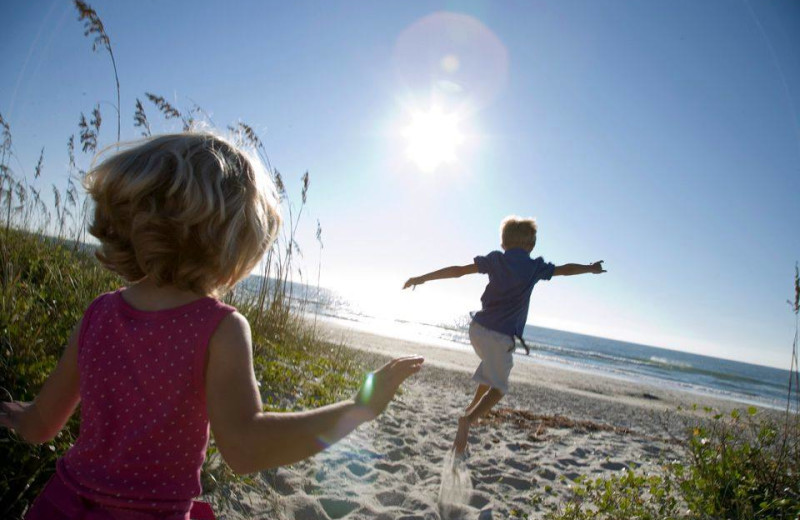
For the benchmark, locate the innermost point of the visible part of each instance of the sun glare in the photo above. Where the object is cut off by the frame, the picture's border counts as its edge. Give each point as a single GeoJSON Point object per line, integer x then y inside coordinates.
{"type": "Point", "coordinates": [433, 138]}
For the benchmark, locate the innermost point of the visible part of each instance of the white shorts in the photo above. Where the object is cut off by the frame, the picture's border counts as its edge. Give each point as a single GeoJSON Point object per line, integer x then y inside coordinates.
{"type": "Point", "coordinates": [495, 350]}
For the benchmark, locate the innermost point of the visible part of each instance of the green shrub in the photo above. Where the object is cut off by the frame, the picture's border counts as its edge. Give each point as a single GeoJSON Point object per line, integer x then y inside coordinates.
{"type": "Point", "coordinates": [743, 467]}
{"type": "Point", "coordinates": [46, 285]}
{"type": "Point", "coordinates": [737, 467]}
{"type": "Point", "coordinates": [628, 495]}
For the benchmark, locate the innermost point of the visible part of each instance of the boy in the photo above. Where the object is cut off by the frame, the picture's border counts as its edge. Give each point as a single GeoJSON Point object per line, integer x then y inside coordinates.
{"type": "Point", "coordinates": [512, 275]}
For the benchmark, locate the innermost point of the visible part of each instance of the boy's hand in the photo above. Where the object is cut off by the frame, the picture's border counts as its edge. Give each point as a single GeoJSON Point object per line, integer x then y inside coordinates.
{"type": "Point", "coordinates": [597, 267]}
{"type": "Point", "coordinates": [381, 385]}
{"type": "Point", "coordinates": [10, 413]}
{"type": "Point", "coordinates": [413, 282]}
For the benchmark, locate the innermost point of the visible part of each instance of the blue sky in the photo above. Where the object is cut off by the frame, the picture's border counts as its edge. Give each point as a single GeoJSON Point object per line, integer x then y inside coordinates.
{"type": "Point", "coordinates": [660, 137]}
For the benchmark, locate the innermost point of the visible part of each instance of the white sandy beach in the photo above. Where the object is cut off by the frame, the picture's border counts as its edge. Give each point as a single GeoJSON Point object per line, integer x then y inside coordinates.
{"type": "Point", "coordinates": [553, 426]}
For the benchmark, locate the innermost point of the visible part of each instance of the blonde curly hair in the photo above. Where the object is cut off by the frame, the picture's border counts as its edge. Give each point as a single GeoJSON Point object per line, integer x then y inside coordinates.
{"type": "Point", "coordinates": [189, 210]}
{"type": "Point", "coordinates": [518, 232]}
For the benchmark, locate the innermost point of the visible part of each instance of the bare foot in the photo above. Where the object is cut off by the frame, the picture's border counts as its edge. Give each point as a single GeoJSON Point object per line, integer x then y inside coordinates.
{"type": "Point", "coordinates": [460, 444]}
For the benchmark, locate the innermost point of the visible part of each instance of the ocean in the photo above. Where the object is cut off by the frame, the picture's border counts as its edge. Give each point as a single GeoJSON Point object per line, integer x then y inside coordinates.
{"type": "Point", "coordinates": [661, 367]}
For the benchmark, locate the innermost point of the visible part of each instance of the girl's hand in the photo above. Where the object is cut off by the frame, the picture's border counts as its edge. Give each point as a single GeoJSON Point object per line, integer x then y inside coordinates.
{"type": "Point", "coordinates": [413, 282]}
{"type": "Point", "coordinates": [10, 413]}
{"type": "Point", "coordinates": [381, 385]}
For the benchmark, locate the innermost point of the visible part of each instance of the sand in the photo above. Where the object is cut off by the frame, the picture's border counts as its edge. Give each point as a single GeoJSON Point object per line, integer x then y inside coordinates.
{"type": "Point", "coordinates": [553, 426]}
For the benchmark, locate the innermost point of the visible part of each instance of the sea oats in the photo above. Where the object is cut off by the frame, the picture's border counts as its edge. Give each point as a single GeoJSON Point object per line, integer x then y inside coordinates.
{"type": "Point", "coordinates": [93, 27]}
{"type": "Point", "coordinates": [140, 119]}
{"type": "Point", "coordinates": [169, 111]}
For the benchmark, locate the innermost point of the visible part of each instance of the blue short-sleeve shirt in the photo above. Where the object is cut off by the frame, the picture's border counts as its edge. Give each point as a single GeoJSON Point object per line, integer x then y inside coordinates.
{"type": "Point", "coordinates": [505, 301]}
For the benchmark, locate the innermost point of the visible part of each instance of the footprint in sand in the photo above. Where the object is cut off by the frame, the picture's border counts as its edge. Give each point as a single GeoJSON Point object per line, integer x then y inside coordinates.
{"type": "Point", "coordinates": [570, 462]}
{"type": "Point", "coordinates": [404, 470]}
{"type": "Point", "coordinates": [579, 453]}
{"type": "Point", "coordinates": [318, 476]}
{"type": "Point", "coordinates": [518, 465]}
{"type": "Point", "coordinates": [358, 469]}
{"type": "Point", "coordinates": [390, 498]}
{"type": "Point", "coordinates": [479, 499]}
{"type": "Point", "coordinates": [547, 474]}
{"type": "Point", "coordinates": [398, 454]}
{"type": "Point", "coordinates": [309, 488]}
{"type": "Point", "coordinates": [652, 450]}
{"type": "Point", "coordinates": [517, 483]}
{"type": "Point", "coordinates": [285, 482]}
{"type": "Point", "coordinates": [490, 474]}
{"type": "Point", "coordinates": [422, 472]}
{"type": "Point", "coordinates": [337, 508]}
{"type": "Point", "coordinates": [396, 441]}
{"type": "Point", "coordinates": [303, 506]}
{"type": "Point", "coordinates": [519, 446]}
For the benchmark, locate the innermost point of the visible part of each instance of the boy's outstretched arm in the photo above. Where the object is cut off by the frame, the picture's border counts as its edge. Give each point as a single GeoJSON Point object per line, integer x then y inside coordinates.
{"type": "Point", "coordinates": [572, 269]}
{"type": "Point", "coordinates": [250, 439]}
{"type": "Point", "coordinates": [454, 271]}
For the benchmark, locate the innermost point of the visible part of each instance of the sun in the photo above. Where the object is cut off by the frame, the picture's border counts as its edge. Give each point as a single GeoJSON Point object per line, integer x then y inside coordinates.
{"type": "Point", "coordinates": [433, 138]}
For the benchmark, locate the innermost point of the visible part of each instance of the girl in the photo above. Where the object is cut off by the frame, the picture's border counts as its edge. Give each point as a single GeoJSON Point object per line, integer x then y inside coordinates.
{"type": "Point", "coordinates": [181, 217]}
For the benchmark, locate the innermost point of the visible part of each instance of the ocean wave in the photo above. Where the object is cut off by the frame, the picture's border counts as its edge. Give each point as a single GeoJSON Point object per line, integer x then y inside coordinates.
{"type": "Point", "coordinates": [670, 362]}
{"type": "Point", "coordinates": [590, 354]}
{"type": "Point", "coordinates": [660, 363]}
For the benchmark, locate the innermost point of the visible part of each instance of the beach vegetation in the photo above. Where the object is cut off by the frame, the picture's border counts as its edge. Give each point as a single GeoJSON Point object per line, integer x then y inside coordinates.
{"type": "Point", "coordinates": [735, 466]}
{"type": "Point", "coordinates": [741, 465]}
{"type": "Point", "coordinates": [628, 494]}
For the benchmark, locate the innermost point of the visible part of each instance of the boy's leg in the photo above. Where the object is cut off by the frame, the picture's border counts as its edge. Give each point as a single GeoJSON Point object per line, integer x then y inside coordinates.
{"type": "Point", "coordinates": [491, 375]}
{"type": "Point", "coordinates": [481, 408]}
{"type": "Point", "coordinates": [482, 389]}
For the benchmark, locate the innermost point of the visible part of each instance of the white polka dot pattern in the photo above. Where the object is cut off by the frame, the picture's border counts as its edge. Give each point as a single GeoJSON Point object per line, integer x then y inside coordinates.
{"type": "Point", "coordinates": [144, 429]}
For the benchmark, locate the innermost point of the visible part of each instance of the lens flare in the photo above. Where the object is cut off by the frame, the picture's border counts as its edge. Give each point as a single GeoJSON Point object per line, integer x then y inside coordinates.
{"type": "Point", "coordinates": [348, 423]}
{"type": "Point", "coordinates": [453, 55]}
{"type": "Point", "coordinates": [450, 63]}
{"type": "Point", "coordinates": [367, 388]}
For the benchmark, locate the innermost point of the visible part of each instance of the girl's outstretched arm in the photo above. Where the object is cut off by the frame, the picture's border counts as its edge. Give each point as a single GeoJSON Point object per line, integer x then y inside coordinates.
{"type": "Point", "coordinates": [41, 420]}
{"type": "Point", "coordinates": [252, 440]}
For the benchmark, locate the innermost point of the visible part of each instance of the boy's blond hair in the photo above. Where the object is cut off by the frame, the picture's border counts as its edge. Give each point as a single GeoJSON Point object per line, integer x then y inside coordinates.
{"type": "Point", "coordinates": [189, 210]}
{"type": "Point", "coordinates": [518, 232]}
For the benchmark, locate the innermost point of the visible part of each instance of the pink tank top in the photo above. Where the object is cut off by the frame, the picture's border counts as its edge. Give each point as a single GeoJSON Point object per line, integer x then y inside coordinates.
{"type": "Point", "coordinates": [144, 428]}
